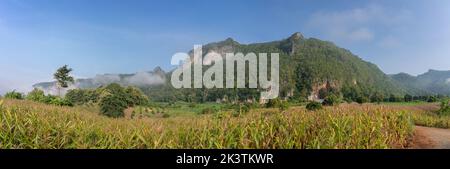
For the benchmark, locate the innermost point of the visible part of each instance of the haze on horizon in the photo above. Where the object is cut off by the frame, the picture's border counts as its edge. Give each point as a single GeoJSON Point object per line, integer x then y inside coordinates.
{"type": "Point", "coordinates": [111, 36]}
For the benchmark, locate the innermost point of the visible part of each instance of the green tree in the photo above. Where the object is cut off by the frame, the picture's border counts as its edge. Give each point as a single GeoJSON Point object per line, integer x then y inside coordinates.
{"type": "Point", "coordinates": [112, 105]}
{"type": "Point", "coordinates": [377, 98]}
{"type": "Point", "coordinates": [362, 99]}
{"type": "Point", "coordinates": [63, 78]}
{"type": "Point", "coordinates": [408, 98]}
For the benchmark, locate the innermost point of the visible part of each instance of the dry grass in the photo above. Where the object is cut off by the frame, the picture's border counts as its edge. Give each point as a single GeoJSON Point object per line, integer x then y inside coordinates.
{"type": "Point", "coordinates": [27, 124]}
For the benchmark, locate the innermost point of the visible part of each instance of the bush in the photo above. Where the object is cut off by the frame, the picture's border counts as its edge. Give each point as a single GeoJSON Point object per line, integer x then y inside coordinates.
{"type": "Point", "coordinates": [377, 98]}
{"type": "Point", "coordinates": [394, 98]}
{"type": "Point", "coordinates": [112, 105]}
{"type": "Point", "coordinates": [113, 100]}
{"type": "Point", "coordinates": [331, 100]}
{"type": "Point", "coordinates": [36, 95]}
{"type": "Point", "coordinates": [14, 95]}
{"type": "Point", "coordinates": [408, 98]}
{"type": "Point", "coordinates": [192, 105]}
{"type": "Point", "coordinates": [432, 99]}
{"type": "Point", "coordinates": [241, 109]}
{"type": "Point", "coordinates": [165, 115]}
{"type": "Point", "coordinates": [208, 110]}
{"type": "Point", "coordinates": [134, 97]}
{"type": "Point", "coordinates": [273, 103]}
{"type": "Point", "coordinates": [48, 99]}
{"type": "Point", "coordinates": [445, 109]}
{"type": "Point", "coordinates": [82, 96]}
{"type": "Point", "coordinates": [283, 106]}
{"type": "Point", "coordinates": [313, 106]}
{"type": "Point", "coordinates": [60, 102]}
{"type": "Point", "coordinates": [278, 103]}
{"type": "Point", "coordinates": [362, 99]}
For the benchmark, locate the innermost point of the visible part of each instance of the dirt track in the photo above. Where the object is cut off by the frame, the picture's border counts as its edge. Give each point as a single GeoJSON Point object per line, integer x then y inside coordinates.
{"type": "Point", "coordinates": [431, 138]}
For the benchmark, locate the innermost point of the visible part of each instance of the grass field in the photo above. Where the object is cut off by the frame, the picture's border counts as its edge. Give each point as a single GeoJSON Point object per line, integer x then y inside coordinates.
{"type": "Point", "coordinates": [25, 124]}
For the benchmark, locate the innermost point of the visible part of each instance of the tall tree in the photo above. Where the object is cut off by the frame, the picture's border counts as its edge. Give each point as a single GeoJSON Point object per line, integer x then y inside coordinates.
{"type": "Point", "coordinates": [63, 78]}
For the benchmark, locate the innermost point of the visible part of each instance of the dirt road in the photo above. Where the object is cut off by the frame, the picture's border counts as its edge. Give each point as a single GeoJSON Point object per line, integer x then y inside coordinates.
{"type": "Point", "coordinates": [431, 138]}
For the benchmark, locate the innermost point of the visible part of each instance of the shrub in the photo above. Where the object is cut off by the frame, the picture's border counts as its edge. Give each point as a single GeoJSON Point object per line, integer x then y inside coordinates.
{"type": "Point", "coordinates": [278, 103]}
{"type": "Point", "coordinates": [241, 109]}
{"type": "Point", "coordinates": [165, 115]}
{"type": "Point", "coordinates": [408, 98]}
{"type": "Point", "coordinates": [377, 98]}
{"type": "Point", "coordinates": [14, 95]}
{"type": "Point", "coordinates": [394, 98]}
{"type": "Point", "coordinates": [48, 99]}
{"type": "Point", "coordinates": [134, 96]}
{"type": "Point", "coordinates": [208, 110]}
{"type": "Point", "coordinates": [432, 99]}
{"type": "Point", "coordinates": [60, 102]}
{"type": "Point", "coordinates": [445, 109]}
{"type": "Point", "coordinates": [273, 103]}
{"type": "Point", "coordinates": [81, 96]}
{"type": "Point", "coordinates": [313, 106]}
{"type": "Point", "coordinates": [283, 106]}
{"type": "Point", "coordinates": [36, 95]}
{"type": "Point", "coordinates": [362, 99]}
{"type": "Point", "coordinates": [112, 105]}
{"type": "Point", "coordinates": [331, 100]}
{"type": "Point", "coordinates": [192, 105]}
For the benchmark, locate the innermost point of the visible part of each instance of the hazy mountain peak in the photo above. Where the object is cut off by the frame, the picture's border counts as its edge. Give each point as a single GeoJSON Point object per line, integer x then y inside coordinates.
{"type": "Point", "coordinates": [296, 36]}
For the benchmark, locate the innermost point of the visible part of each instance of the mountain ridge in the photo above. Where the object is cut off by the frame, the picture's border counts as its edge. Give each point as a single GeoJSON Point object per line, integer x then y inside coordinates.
{"type": "Point", "coordinates": [308, 67]}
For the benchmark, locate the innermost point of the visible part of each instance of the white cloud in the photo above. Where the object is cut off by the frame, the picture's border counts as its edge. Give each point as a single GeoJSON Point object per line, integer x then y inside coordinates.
{"type": "Point", "coordinates": [357, 24]}
{"type": "Point", "coordinates": [389, 42]}
{"type": "Point", "coordinates": [362, 34]}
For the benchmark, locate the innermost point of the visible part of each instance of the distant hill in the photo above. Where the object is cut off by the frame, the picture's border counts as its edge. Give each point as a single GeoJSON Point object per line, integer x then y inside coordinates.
{"type": "Point", "coordinates": [140, 79]}
{"type": "Point", "coordinates": [431, 82]}
{"type": "Point", "coordinates": [308, 66]}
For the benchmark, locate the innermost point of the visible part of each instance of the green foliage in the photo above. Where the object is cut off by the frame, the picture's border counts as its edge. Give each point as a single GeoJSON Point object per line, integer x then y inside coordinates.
{"type": "Point", "coordinates": [134, 96]}
{"type": "Point", "coordinates": [377, 98]}
{"type": "Point", "coordinates": [36, 95]}
{"type": "Point", "coordinates": [14, 95]}
{"type": "Point", "coordinates": [208, 110]}
{"type": "Point", "coordinates": [331, 100]}
{"type": "Point", "coordinates": [273, 103]}
{"type": "Point", "coordinates": [113, 100]}
{"type": "Point", "coordinates": [277, 103]}
{"type": "Point", "coordinates": [408, 98]}
{"type": "Point", "coordinates": [82, 96]}
{"type": "Point", "coordinates": [362, 99]}
{"type": "Point", "coordinates": [241, 109]}
{"type": "Point", "coordinates": [62, 76]}
{"type": "Point", "coordinates": [312, 106]}
{"type": "Point", "coordinates": [432, 99]}
{"type": "Point", "coordinates": [192, 105]}
{"type": "Point", "coordinates": [60, 102]}
{"type": "Point", "coordinates": [445, 108]}
{"type": "Point", "coordinates": [394, 98]}
{"type": "Point", "coordinates": [112, 105]}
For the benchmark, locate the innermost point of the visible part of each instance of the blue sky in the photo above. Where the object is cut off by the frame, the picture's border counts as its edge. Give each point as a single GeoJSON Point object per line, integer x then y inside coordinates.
{"type": "Point", "coordinates": [116, 36]}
